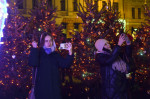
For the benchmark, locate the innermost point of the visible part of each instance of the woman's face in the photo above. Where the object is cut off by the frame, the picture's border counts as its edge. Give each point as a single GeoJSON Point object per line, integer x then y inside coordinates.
{"type": "Point", "coordinates": [48, 41]}
{"type": "Point", "coordinates": [107, 46]}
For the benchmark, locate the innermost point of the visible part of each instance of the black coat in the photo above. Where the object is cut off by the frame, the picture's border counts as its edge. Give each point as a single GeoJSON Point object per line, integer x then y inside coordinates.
{"type": "Point", "coordinates": [114, 83]}
{"type": "Point", "coordinates": [47, 84]}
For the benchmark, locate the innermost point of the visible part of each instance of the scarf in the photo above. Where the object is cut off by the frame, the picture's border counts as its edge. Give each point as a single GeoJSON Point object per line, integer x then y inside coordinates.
{"type": "Point", "coordinates": [47, 50]}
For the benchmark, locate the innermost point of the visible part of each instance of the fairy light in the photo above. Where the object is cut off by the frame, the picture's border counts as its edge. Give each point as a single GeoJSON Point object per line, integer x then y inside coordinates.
{"type": "Point", "coordinates": [3, 16]}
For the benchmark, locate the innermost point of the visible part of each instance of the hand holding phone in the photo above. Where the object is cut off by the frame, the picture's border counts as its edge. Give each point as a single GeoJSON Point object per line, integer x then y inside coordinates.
{"type": "Point", "coordinates": [121, 39]}
{"type": "Point", "coordinates": [62, 45]}
{"type": "Point", "coordinates": [128, 42]}
{"type": "Point", "coordinates": [66, 46]}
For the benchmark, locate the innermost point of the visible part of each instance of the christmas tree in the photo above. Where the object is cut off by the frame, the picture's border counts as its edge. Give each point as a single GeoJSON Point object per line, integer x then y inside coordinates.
{"type": "Point", "coordinates": [15, 74]}
{"type": "Point", "coordinates": [142, 53]}
{"type": "Point", "coordinates": [19, 32]}
{"type": "Point", "coordinates": [96, 24]}
{"type": "Point", "coordinates": [42, 19]}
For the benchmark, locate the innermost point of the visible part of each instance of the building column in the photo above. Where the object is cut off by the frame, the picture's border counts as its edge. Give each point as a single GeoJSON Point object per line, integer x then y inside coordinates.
{"type": "Point", "coordinates": [53, 3]}
{"type": "Point", "coordinates": [99, 5]}
{"type": "Point", "coordinates": [80, 27]}
{"type": "Point", "coordinates": [58, 4]}
{"type": "Point", "coordinates": [121, 8]}
{"type": "Point", "coordinates": [107, 1]}
{"type": "Point", "coordinates": [70, 28]}
{"type": "Point", "coordinates": [70, 7]}
{"type": "Point", "coordinates": [29, 4]}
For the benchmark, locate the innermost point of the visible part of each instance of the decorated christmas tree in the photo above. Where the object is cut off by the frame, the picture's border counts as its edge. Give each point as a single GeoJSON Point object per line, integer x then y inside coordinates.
{"type": "Point", "coordinates": [20, 31]}
{"type": "Point", "coordinates": [96, 24]}
{"type": "Point", "coordinates": [14, 72]}
{"type": "Point", "coordinates": [142, 53]}
{"type": "Point", "coordinates": [42, 19]}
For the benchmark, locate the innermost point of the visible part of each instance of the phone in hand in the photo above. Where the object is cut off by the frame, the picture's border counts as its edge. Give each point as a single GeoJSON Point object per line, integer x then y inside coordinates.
{"type": "Point", "coordinates": [63, 46]}
{"type": "Point", "coordinates": [128, 76]}
{"type": "Point", "coordinates": [126, 37]}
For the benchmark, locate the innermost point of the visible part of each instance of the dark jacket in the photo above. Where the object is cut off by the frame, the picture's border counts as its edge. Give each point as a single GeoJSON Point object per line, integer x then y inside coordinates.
{"type": "Point", "coordinates": [47, 84]}
{"type": "Point", "coordinates": [114, 83]}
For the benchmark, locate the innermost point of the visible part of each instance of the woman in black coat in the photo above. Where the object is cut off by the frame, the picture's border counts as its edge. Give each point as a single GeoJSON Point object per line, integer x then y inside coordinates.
{"type": "Point", "coordinates": [113, 68]}
{"type": "Point", "coordinates": [48, 61]}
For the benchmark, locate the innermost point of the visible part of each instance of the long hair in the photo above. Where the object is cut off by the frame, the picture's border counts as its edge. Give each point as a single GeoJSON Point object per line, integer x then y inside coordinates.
{"type": "Point", "coordinates": [42, 40]}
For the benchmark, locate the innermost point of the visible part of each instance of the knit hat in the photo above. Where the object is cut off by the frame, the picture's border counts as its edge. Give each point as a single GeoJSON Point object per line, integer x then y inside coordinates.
{"type": "Point", "coordinates": [99, 44]}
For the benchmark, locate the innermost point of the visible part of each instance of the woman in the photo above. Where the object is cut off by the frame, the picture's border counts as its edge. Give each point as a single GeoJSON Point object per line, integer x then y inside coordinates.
{"type": "Point", "coordinates": [113, 68]}
{"type": "Point", "coordinates": [48, 61]}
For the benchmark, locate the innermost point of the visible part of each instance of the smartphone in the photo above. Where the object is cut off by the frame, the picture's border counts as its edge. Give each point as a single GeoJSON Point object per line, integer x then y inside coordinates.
{"type": "Point", "coordinates": [128, 75]}
{"type": "Point", "coordinates": [126, 37]}
{"type": "Point", "coordinates": [63, 46]}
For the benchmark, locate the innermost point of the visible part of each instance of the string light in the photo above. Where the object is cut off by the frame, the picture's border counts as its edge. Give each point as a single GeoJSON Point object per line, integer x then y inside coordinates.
{"type": "Point", "coordinates": [3, 16]}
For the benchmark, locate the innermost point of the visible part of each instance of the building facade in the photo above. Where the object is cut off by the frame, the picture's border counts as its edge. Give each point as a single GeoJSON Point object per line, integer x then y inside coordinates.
{"type": "Point", "coordinates": [131, 11]}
